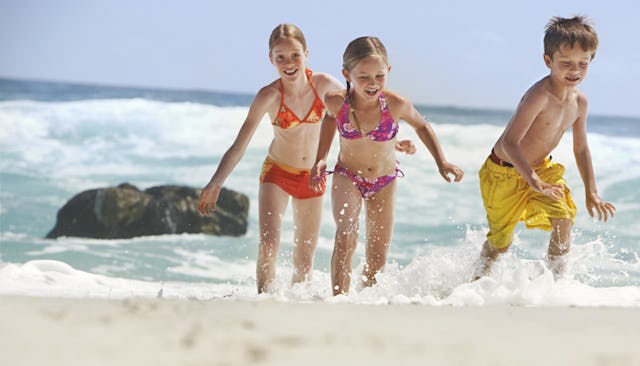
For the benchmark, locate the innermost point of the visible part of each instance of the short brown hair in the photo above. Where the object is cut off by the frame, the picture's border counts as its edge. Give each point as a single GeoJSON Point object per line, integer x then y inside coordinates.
{"type": "Point", "coordinates": [567, 31]}
{"type": "Point", "coordinates": [286, 30]}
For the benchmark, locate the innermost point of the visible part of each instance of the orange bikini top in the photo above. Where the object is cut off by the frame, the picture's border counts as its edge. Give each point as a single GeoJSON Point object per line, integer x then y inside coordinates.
{"type": "Point", "coordinates": [287, 119]}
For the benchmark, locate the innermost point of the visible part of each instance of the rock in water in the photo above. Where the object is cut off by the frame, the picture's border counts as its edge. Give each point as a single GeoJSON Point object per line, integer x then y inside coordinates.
{"type": "Point", "coordinates": [125, 212]}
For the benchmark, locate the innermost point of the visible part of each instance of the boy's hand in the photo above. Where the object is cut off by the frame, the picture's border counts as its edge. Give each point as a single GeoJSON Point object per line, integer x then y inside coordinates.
{"type": "Point", "coordinates": [604, 209]}
{"type": "Point", "coordinates": [555, 191]}
{"type": "Point", "coordinates": [406, 146]}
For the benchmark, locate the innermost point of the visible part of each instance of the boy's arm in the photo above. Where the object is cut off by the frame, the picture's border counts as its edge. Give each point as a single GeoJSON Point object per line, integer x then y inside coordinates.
{"type": "Point", "coordinates": [585, 166]}
{"type": "Point", "coordinates": [531, 105]}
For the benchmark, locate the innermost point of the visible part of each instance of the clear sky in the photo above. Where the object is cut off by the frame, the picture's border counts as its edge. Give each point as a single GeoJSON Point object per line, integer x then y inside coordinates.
{"type": "Point", "coordinates": [456, 53]}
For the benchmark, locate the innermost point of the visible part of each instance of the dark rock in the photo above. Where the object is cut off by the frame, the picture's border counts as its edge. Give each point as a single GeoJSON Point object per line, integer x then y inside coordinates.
{"type": "Point", "coordinates": [125, 212]}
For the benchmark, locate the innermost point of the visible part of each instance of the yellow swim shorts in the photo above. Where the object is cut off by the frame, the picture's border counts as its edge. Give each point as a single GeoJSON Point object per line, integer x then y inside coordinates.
{"type": "Point", "coordinates": [508, 199]}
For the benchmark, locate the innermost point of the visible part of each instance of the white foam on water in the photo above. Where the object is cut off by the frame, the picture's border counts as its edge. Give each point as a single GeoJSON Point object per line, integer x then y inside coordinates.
{"type": "Point", "coordinates": [61, 148]}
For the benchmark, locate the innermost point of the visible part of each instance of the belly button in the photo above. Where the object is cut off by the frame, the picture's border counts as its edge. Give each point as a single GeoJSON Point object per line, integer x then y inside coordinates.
{"type": "Point", "coordinates": [369, 169]}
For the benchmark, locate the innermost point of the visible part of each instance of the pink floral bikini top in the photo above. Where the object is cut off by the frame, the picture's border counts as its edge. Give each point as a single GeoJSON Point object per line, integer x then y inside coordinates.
{"type": "Point", "coordinates": [385, 130]}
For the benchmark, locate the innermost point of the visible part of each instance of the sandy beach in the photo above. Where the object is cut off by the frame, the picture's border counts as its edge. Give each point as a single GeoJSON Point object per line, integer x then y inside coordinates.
{"type": "Point", "coordinates": [64, 331]}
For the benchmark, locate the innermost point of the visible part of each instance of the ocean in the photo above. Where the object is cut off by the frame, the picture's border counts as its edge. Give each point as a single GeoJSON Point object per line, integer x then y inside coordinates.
{"type": "Point", "coordinates": [58, 139]}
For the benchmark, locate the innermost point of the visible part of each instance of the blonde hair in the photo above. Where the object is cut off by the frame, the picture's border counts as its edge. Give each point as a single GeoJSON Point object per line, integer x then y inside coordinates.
{"type": "Point", "coordinates": [361, 48]}
{"type": "Point", "coordinates": [567, 31]}
{"type": "Point", "coordinates": [284, 31]}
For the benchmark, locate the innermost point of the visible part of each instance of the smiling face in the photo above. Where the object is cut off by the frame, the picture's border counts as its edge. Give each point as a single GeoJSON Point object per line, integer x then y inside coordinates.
{"type": "Point", "coordinates": [289, 57]}
{"type": "Point", "coordinates": [368, 77]}
{"type": "Point", "coordinates": [569, 65]}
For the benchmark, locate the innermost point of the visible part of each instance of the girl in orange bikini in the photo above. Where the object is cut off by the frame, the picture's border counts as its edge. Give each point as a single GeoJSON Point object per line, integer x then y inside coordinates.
{"type": "Point", "coordinates": [366, 115]}
{"type": "Point", "coordinates": [297, 92]}
{"type": "Point", "coordinates": [285, 173]}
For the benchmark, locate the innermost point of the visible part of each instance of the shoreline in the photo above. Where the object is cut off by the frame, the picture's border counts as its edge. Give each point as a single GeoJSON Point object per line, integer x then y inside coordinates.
{"type": "Point", "coordinates": [142, 331]}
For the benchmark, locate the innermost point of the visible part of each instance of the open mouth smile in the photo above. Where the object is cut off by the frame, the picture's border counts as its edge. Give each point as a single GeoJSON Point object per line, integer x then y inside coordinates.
{"type": "Point", "coordinates": [371, 92]}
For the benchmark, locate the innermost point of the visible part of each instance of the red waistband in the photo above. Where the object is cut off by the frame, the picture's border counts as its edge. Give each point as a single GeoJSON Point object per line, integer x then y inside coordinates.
{"type": "Point", "coordinates": [499, 161]}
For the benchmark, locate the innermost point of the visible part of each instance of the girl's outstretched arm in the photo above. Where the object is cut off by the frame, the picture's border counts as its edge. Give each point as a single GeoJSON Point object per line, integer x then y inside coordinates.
{"type": "Point", "coordinates": [428, 137]}
{"type": "Point", "coordinates": [210, 193]}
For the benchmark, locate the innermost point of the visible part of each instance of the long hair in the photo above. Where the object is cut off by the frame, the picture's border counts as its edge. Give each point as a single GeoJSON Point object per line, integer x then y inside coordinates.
{"type": "Point", "coordinates": [359, 49]}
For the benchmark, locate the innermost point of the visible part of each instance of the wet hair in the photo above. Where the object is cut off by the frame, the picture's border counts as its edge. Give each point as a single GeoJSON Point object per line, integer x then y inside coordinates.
{"type": "Point", "coordinates": [286, 30]}
{"type": "Point", "coordinates": [361, 48]}
{"type": "Point", "coordinates": [567, 31]}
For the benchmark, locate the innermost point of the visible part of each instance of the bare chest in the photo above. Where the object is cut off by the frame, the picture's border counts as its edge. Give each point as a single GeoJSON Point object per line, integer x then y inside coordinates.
{"type": "Point", "coordinates": [554, 122]}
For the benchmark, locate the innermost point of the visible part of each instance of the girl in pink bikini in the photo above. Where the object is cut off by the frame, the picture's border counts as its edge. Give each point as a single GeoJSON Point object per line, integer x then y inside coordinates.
{"type": "Point", "coordinates": [366, 115]}
{"type": "Point", "coordinates": [294, 104]}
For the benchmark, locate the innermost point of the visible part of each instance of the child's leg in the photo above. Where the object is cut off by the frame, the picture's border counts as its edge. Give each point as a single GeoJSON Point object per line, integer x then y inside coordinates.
{"type": "Point", "coordinates": [559, 216]}
{"type": "Point", "coordinates": [559, 245]}
{"type": "Point", "coordinates": [504, 195]}
{"type": "Point", "coordinates": [346, 202]}
{"type": "Point", "coordinates": [488, 256]}
{"type": "Point", "coordinates": [272, 204]}
{"type": "Point", "coordinates": [380, 210]}
{"type": "Point", "coordinates": [306, 219]}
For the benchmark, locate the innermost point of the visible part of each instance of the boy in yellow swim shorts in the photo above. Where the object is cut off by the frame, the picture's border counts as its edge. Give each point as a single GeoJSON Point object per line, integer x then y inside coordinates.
{"type": "Point", "coordinates": [519, 181]}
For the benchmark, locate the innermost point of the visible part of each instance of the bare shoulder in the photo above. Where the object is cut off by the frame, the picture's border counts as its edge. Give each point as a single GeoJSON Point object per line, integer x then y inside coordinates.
{"type": "Point", "coordinates": [323, 77]}
{"type": "Point", "coordinates": [398, 104]}
{"type": "Point", "coordinates": [583, 103]}
{"type": "Point", "coordinates": [538, 91]}
{"type": "Point", "coordinates": [268, 95]}
{"type": "Point", "coordinates": [536, 98]}
{"type": "Point", "coordinates": [325, 82]}
{"type": "Point", "coordinates": [334, 99]}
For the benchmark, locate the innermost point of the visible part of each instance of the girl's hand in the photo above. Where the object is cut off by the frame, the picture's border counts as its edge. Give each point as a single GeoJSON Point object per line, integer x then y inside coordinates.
{"type": "Point", "coordinates": [453, 170]}
{"type": "Point", "coordinates": [208, 199]}
{"type": "Point", "coordinates": [406, 146]}
{"type": "Point", "coordinates": [318, 176]}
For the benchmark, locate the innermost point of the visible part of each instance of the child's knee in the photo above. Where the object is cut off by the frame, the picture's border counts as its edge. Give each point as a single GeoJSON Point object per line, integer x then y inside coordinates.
{"type": "Point", "coordinates": [492, 252]}
{"type": "Point", "coordinates": [561, 224]}
{"type": "Point", "coordinates": [347, 228]}
{"type": "Point", "coordinates": [499, 243]}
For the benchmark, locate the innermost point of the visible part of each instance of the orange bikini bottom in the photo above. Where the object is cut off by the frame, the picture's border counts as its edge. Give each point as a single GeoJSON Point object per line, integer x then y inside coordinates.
{"type": "Point", "coordinates": [292, 180]}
